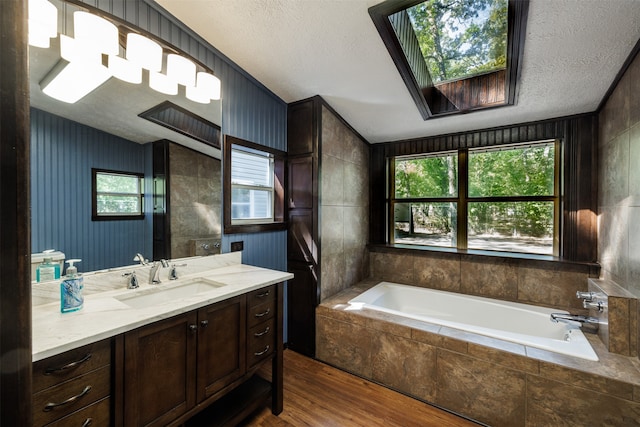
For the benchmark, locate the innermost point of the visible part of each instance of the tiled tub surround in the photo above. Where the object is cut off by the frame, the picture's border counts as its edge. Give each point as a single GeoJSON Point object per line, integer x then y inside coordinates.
{"type": "Point", "coordinates": [619, 319]}
{"type": "Point", "coordinates": [486, 379]}
{"type": "Point", "coordinates": [105, 315]}
{"type": "Point", "coordinates": [529, 281]}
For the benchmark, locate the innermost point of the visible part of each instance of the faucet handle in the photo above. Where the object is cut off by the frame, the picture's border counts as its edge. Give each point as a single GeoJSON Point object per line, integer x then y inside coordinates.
{"type": "Point", "coordinates": [132, 280]}
{"type": "Point", "coordinates": [596, 305]}
{"type": "Point", "coordinates": [173, 273]}
{"type": "Point", "coordinates": [587, 296]}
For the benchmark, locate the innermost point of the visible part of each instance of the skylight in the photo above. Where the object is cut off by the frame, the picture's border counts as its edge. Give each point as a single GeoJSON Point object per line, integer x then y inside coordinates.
{"type": "Point", "coordinates": [461, 39]}
{"type": "Point", "coordinates": [455, 56]}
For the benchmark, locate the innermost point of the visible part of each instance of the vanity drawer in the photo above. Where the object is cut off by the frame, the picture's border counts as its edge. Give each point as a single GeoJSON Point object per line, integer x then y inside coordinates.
{"type": "Point", "coordinates": [62, 367]}
{"type": "Point", "coordinates": [262, 295]}
{"type": "Point", "coordinates": [260, 342]}
{"type": "Point", "coordinates": [69, 396]}
{"type": "Point", "coordinates": [260, 313]}
{"type": "Point", "coordinates": [95, 415]}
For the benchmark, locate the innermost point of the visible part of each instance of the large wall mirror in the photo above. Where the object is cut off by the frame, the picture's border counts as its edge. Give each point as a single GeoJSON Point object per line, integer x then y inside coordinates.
{"type": "Point", "coordinates": [176, 149]}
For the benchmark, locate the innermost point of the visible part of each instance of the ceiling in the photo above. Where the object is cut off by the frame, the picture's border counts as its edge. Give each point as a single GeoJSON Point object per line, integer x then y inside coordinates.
{"type": "Point", "coordinates": [301, 48]}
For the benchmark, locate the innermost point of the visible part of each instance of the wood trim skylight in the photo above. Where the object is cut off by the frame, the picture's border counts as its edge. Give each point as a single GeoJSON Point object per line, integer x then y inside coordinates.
{"type": "Point", "coordinates": [435, 99]}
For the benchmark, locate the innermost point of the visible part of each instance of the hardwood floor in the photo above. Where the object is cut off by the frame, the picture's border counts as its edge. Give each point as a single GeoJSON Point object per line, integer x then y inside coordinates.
{"type": "Point", "coordinates": [318, 395]}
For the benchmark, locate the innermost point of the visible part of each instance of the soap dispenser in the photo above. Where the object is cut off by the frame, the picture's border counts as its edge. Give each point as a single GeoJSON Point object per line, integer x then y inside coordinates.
{"type": "Point", "coordinates": [48, 270]}
{"type": "Point", "coordinates": [71, 298]}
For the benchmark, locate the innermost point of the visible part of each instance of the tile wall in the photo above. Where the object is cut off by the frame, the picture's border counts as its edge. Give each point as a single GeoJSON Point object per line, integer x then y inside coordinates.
{"type": "Point", "coordinates": [195, 198]}
{"type": "Point", "coordinates": [619, 183]}
{"type": "Point", "coordinates": [344, 206]}
{"type": "Point", "coordinates": [528, 281]}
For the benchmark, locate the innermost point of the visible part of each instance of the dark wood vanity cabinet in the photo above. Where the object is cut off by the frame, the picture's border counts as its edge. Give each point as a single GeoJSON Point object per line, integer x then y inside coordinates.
{"type": "Point", "coordinates": [164, 373]}
{"type": "Point", "coordinates": [174, 364]}
{"type": "Point", "coordinates": [74, 388]}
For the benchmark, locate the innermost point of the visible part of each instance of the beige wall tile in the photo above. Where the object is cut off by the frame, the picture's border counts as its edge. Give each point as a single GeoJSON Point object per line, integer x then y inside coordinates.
{"type": "Point", "coordinates": [344, 344]}
{"type": "Point", "coordinates": [497, 278]}
{"type": "Point", "coordinates": [437, 272]}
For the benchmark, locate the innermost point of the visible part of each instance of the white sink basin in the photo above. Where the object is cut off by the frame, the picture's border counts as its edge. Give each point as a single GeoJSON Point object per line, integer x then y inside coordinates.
{"type": "Point", "coordinates": [166, 293]}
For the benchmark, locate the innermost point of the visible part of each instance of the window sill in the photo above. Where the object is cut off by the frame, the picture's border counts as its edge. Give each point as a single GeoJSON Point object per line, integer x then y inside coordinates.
{"type": "Point", "coordinates": [254, 228]}
{"type": "Point", "coordinates": [593, 267]}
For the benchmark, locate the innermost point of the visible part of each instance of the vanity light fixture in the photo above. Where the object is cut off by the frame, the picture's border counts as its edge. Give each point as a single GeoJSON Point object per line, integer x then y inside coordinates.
{"type": "Point", "coordinates": [181, 70]}
{"type": "Point", "coordinates": [83, 72]}
{"type": "Point", "coordinates": [207, 88]}
{"type": "Point", "coordinates": [144, 52]}
{"type": "Point", "coordinates": [81, 69]}
{"type": "Point", "coordinates": [125, 70]}
{"type": "Point", "coordinates": [163, 84]}
{"type": "Point", "coordinates": [43, 23]}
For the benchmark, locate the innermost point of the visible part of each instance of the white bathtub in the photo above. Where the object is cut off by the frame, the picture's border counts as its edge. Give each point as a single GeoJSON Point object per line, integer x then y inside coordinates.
{"type": "Point", "coordinates": [519, 323]}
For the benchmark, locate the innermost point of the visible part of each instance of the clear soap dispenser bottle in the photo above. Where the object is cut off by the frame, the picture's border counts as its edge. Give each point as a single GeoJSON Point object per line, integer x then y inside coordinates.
{"type": "Point", "coordinates": [71, 298]}
{"type": "Point", "coordinates": [48, 270]}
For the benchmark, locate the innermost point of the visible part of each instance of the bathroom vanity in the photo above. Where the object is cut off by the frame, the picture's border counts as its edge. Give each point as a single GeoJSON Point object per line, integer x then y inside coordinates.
{"type": "Point", "coordinates": [137, 358]}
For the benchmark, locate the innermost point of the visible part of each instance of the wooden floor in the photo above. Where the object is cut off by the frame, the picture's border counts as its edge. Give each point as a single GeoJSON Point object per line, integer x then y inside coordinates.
{"type": "Point", "coordinates": [316, 394]}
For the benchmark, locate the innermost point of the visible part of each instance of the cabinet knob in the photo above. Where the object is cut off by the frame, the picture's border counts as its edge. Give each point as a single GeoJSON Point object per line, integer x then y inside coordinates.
{"type": "Point", "coordinates": [193, 328]}
{"type": "Point", "coordinates": [204, 323]}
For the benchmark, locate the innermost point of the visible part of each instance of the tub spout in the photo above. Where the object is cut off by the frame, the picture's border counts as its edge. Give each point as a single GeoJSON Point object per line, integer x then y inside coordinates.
{"type": "Point", "coordinates": [587, 323]}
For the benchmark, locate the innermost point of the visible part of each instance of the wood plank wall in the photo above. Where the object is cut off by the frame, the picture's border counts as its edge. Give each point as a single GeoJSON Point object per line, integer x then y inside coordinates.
{"type": "Point", "coordinates": [579, 135]}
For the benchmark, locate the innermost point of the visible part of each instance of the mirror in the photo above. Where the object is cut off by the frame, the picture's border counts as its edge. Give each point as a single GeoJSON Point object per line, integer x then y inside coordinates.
{"type": "Point", "coordinates": [103, 130]}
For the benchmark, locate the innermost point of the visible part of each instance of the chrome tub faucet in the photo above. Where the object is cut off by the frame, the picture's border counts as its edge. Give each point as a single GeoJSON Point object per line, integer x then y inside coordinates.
{"type": "Point", "coordinates": [587, 323]}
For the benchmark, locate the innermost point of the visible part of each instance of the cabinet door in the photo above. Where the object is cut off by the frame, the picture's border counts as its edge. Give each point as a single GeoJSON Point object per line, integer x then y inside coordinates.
{"type": "Point", "coordinates": [221, 345]}
{"type": "Point", "coordinates": [160, 371]}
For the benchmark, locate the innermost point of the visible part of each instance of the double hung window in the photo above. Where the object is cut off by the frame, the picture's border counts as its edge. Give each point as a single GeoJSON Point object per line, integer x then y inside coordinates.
{"type": "Point", "coordinates": [117, 195]}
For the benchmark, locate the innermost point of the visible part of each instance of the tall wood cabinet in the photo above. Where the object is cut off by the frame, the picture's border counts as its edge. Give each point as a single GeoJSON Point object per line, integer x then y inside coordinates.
{"type": "Point", "coordinates": [303, 249]}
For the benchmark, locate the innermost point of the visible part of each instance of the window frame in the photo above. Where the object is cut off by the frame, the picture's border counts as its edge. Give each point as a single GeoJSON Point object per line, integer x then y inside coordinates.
{"type": "Point", "coordinates": [428, 97]}
{"type": "Point", "coordinates": [95, 215]}
{"type": "Point", "coordinates": [278, 221]}
{"type": "Point", "coordinates": [463, 199]}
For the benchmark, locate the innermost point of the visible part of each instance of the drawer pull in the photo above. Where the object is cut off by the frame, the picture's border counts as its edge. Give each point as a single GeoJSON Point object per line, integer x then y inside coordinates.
{"type": "Point", "coordinates": [265, 332]}
{"type": "Point", "coordinates": [264, 313]}
{"type": "Point", "coordinates": [87, 422]}
{"type": "Point", "coordinates": [260, 353]}
{"type": "Point", "coordinates": [264, 294]}
{"type": "Point", "coordinates": [50, 406]}
{"type": "Point", "coordinates": [70, 365]}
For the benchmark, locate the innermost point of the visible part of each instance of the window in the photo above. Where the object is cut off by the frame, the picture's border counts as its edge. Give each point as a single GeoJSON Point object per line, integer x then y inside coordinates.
{"type": "Point", "coordinates": [117, 195]}
{"type": "Point", "coordinates": [253, 187]}
{"type": "Point", "coordinates": [503, 199]}
{"type": "Point", "coordinates": [455, 56]}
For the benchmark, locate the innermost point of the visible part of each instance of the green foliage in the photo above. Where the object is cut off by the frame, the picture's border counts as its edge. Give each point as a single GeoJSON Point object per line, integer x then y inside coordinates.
{"type": "Point", "coordinates": [527, 171]}
{"type": "Point", "coordinates": [461, 38]}
{"type": "Point", "coordinates": [427, 177]}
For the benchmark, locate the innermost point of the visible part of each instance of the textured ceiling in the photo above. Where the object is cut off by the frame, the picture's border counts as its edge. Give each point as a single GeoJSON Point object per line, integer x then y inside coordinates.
{"type": "Point", "coordinates": [301, 48]}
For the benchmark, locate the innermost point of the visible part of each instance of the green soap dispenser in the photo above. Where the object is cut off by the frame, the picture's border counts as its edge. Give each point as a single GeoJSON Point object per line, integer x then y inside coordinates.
{"type": "Point", "coordinates": [71, 298]}
{"type": "Point", "coordinates": [48, 270]}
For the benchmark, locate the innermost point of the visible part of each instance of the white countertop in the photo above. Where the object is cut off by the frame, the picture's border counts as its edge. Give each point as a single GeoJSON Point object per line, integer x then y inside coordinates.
{"type": "Point", "coordinates": [104, 316]}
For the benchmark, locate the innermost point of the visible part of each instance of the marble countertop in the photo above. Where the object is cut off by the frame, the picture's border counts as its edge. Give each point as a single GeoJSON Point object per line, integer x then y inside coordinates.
{"type": "Point", "coordinates": [104, 315]}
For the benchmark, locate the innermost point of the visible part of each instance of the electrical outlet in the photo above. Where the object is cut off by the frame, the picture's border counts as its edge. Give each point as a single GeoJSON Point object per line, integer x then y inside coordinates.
{"type": "Point", "coordinates": [237, 246]}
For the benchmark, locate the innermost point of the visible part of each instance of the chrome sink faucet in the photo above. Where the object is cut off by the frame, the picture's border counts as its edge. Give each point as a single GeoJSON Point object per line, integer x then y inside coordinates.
{"type": "Point", "coordinates": [587, 323]}
{"type": "Point", "coordinates": [154, 273]}
{"type": "Point", "coordinates": [140, 258]}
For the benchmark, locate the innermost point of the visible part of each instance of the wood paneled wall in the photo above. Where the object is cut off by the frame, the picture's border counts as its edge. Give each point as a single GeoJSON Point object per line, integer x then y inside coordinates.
{"type": "Point", "coordinates": [579, 135]}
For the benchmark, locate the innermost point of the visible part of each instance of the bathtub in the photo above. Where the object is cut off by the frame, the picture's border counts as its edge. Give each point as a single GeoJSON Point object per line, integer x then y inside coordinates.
{"type": "Point", "coordinates": [519, 323]}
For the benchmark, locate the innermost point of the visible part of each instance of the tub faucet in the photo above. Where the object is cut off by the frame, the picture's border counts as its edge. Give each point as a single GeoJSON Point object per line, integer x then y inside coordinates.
{"type": "Point", "coordinates": [154, 273]}
{"type": "Point", "coordinates": [587, 323]}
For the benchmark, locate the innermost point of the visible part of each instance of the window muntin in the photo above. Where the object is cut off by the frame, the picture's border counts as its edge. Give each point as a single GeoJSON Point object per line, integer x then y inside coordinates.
{"type": "Point", "coordinates": [508, 201]}
{"type": "Point", "coordinates": [251, 186]}
{"type": "Point", "coordinates": [117, 195]}
{"type": "Point", "coordinates": [461, 39]}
